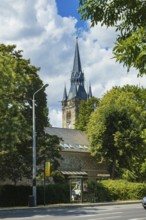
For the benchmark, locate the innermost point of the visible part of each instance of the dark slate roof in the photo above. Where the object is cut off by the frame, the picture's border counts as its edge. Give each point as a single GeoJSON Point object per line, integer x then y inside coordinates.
{"type": "Point", "coordinates": [82, 93]}
{"type": "Point", "coordinates": [77, 62]}
{"type": "Point", "coordinates": [73, 140]}
{"type": "Point", "coordinates": [64, 94]}
{"type": "Point", "coordinates": [77, 89]}
{"type": "Point", "coordinates": [72, 92]}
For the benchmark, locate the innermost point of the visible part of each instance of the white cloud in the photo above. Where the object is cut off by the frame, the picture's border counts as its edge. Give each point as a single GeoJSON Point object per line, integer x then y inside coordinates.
{"type": "Point", "coordinates": [49, 40]}
{"type": "Point", "coordinates": [55, 117]}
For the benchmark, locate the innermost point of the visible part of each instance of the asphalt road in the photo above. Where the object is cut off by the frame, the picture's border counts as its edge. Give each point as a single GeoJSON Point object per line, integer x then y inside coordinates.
{"type": "Point", "coordinates": [112, 212]}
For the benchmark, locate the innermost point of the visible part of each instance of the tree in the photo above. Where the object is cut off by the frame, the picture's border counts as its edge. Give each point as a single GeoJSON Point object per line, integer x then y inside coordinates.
{"type": "Point", "coordinates": [18, 82]}
{"type": "Point", "coordinates": [129, 18]}
{"type": "Point", "coordinates": [116, 129]}
{"type": "Point", "coordinates": [52, 152]}
{"type": "Point", "coordinates": [86, 108]}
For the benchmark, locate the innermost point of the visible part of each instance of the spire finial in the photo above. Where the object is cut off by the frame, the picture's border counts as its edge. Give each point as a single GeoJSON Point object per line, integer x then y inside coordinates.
{"type": "Point", "coordinates": [64, 94]}
{"type": "Point", "coordinates": [76, 35]}
{"type": "Point", "coordinates": [90, 91]}
{"type": "Point", "coordinates": [77, 63]}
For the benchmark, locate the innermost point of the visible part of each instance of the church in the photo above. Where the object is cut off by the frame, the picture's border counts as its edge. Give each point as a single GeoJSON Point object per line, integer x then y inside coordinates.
{"type": "Point", "coordinates": [77, 93]}
{"type": "Point", "coordinates": [77, 160]}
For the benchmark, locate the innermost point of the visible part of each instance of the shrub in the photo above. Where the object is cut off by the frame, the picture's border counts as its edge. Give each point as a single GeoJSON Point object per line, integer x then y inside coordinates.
{"type": "Point", "coordinates": [55, 193]}
{"type": "Point", "coordinates": [105, 190]}
{"type": "Point", "coordinates": [18, 195]}
{"type": "Point", "coordinates": [124, 190]}
{"type": "Point", "coordinates": [14, 195]}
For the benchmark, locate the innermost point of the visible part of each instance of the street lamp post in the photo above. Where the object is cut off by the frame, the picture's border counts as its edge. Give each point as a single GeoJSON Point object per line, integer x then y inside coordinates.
{"type": "Point", "coordinates": [34, 147]}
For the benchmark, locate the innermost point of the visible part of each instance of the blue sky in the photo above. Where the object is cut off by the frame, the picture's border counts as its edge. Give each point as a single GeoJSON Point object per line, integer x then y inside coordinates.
{"type": "Point", "coordinates": [46, 30]}
{"type": "Point", "coordinates": [68, 8]}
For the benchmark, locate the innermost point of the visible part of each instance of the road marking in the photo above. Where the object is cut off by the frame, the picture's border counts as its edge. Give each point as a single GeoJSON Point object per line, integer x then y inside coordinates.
{"type": "Point", "coordinates": [35, 216]}
{"type": "Point", "coordinates": [137, 219]}
{"type": "Point", "coordinates": [111, 213]}
{"type": "Point", "coordinates": [112, 217]}
{"type": "Point", "coordinates": [100, 216]}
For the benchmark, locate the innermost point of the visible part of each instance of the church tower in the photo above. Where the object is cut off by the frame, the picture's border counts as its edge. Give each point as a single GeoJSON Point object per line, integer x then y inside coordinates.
{"type": "Point", "coordinates": [77, 93]}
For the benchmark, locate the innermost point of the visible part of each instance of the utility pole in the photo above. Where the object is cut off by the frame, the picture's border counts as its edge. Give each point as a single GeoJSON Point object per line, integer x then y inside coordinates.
{"type": "Point", "coordinates": [34, 147]}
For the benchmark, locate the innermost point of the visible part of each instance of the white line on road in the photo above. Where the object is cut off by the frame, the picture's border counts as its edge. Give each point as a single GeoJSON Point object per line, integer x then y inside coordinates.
{"type": "Point", "coordinates": [137, 219]}
{"type": "Point", "coordinates": [99, 214]}
{"type": "Point", "coordinates": [112, 217]}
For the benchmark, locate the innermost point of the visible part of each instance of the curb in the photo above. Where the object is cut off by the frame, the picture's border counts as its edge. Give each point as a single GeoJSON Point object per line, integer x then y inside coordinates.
{"type": "Point", "coordinates": [63, 205]}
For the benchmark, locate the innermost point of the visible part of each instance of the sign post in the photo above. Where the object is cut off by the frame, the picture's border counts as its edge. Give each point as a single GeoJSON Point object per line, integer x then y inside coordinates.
{"type": "Point", "coordinates": [47, 168]}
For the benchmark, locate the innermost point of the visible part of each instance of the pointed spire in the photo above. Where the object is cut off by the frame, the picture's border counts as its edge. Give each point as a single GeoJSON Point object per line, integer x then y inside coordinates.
{"type": "Point", "coordinates": [72, 92]}
{"type": "Point", "coordinates": [77, 78]}
{"type": "Point", "coordinates": [90, 92]}
{"type": "Point", "coordinates": [64, 94]}
{"type": "Point", "coordinates": [77, 62]}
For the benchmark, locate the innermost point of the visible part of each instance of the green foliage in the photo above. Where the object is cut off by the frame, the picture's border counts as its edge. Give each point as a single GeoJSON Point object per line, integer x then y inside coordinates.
{"type": "Point", "coordinates": [129, 18]}
{"type": "Point", "coordinates": [124, 190]}
{"type": "Point", "coordinates": [132, 51]}
{"type": "Point", "coordinates": [14, 195]}
{"type": "Point", "coordinates": [100, 192]}
{"type": "Point", "coordinates": [128, 175]}
{"type": "Point", "coordinates": [19, 80]}
{"type": "Point", "coordinates": [115, 130]}
{"type": "Point", "coordinates": [143, 170]}
{"type": "Point", "coordinates": [117, 190]}
{"type": "Point", "coordinates": [15, 79]}
{"type": "Point", "coordinates": [50, 151]}
{"type": "Point", "coordinates": [86, 109]}
{"type": "Point", "coordinates": [57, 193]}
{"type": "Point", "coordinates": [104, 190]}
{"type": "Point", "coordinates": [19, 195]}
{"type": "Point", "coordinates": [58, 177]}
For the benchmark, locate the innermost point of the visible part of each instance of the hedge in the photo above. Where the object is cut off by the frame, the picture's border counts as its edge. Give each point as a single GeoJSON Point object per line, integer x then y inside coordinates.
{"type": "Point", "coordinates": [118, 190]}
{"type": "Point", "coordinates": [102, 191]}
{"type": "Point", "coordinates": [11, 195]}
